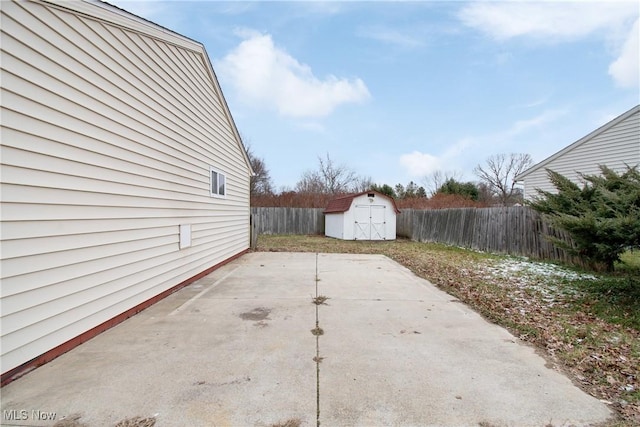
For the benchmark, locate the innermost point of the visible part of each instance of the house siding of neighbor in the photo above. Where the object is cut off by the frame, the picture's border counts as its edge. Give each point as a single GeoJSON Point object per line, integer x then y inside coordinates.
{"type": "Point", "coordinates": [113, 129]}
{"type": "Point", "coordinates": [364, 216]}
{"type": "Point", "coordinates": [615, 144]}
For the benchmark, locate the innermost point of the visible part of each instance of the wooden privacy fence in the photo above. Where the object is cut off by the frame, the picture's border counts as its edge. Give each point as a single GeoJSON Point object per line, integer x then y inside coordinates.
{"type": "Point", "coordinates": [516, 230]}
{"type": "Point", "coordinates": [287, 220]}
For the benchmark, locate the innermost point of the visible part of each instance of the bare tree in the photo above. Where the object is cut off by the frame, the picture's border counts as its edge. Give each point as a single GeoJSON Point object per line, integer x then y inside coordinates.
{"type": "Point", "coordinates": [437, 179]}
{"type": "Point", "coordinates": [484, 193]}
{"type": "Point", "coordinates": [328, 178]}
{"type": "Point", "coordinates": [311, 182]}
{"type": "Point", "coordinates": [362, 183]}
{"type": "Point", "coordinates": [260, 183]}
{"type": "Point", "coordinates": [500, 172]}
{"type": "Point", "coordinates": [338, 178]}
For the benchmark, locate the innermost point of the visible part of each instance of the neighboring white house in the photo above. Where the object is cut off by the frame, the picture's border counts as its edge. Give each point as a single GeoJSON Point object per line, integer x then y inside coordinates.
{"type": "Point", "coordinates": [614, 145]}
{"type": "Point", "coordinates": [364, 216]}
{"type": "Point", "coordinates": [123, 174]}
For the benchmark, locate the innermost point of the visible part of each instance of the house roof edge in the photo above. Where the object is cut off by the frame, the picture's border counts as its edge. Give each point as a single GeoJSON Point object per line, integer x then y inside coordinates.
{"type": "Point", "coordinates": [579, 142]}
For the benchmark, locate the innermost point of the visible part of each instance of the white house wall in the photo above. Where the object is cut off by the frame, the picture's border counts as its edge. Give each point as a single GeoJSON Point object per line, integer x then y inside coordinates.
{"type": "Point", "coordinates": [615, 147]}
{"type": "Point", "coordinates": [108, 134]}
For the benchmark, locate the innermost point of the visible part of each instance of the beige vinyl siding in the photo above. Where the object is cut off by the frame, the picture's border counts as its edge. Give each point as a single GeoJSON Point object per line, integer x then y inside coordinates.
{"type": "Point", "coordinates": [614, 147]}
{"type": "Point", "coordinates": [109, 127]}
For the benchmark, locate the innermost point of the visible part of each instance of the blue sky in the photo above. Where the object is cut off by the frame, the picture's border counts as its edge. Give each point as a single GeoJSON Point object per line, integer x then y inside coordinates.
{"type": "Point", "coordinates": [398, 90]}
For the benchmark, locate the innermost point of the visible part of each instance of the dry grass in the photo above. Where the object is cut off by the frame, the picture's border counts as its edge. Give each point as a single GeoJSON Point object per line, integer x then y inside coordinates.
{"type": "Point", "coordinates": [587, 328]}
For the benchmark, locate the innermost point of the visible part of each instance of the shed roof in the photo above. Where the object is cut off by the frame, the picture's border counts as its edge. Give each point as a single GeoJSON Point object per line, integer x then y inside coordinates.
{"type": "Point", "coordinates": [343, 203]}
{"type": "Point", "coordinates": [579, 142]}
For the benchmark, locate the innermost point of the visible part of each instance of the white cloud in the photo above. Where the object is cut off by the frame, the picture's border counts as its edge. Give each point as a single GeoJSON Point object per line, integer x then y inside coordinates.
{"type": "Point", "coordinates": [531, 104]}
{"type": "Point", "coordinates": [234, 7]}
{"type": "Point", "coordinates": [626, 69]}
{"type": "Point", "coordinates": [265, 75]}
{"type": "Point", "coordinates": [539, 121]}
{"type": "Point", "coordinates": [420, 164]}
{"type": "Point", "coordinates": [391, 36]}
{"type": "Point", "coordinates": [548, 20]}
{"type": "Point", "coordinates": [467, 152]}
{"type": "Point", "coordinates": [564, 21]}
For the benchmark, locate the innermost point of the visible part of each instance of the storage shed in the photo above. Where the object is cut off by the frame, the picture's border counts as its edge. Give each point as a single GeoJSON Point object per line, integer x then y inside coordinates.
{"type": "Point", "coordinates": [124, 177]}
{"type": "Point", "coordinates": [363, 216]}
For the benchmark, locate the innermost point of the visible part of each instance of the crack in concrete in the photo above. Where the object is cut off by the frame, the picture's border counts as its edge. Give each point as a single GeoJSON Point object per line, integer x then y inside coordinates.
{"type": "Point", "coordinates": [317, 359]}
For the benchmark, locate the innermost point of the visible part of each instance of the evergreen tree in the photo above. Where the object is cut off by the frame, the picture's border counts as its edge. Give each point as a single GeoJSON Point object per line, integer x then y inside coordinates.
{"type": "Point", "coordinates": [384, 189]}
{"type": "Point", "coordinates": [465, 189]}
{"type": "Point", "coordinates": [602, 217]}
{"type": "Point", "coordinates": [411, 190]}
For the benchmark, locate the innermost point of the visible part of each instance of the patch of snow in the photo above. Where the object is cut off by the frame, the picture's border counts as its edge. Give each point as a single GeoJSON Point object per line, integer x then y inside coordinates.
{"type": "Point", "coordinates": [537, 276]}
{"type": "Point", "coordinates": [510, 266]}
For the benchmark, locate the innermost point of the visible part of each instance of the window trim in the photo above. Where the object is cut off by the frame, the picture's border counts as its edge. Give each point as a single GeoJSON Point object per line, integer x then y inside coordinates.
{"type": "Point", "coordinates": [219, 174]}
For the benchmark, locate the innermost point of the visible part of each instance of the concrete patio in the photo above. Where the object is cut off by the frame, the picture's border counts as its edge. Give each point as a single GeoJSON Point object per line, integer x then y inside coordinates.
{"type": "Point", "coordinates": [247, 346]}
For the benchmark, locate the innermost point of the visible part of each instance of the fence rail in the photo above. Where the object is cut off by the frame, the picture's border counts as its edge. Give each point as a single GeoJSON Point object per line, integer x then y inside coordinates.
{"type": "Point", "coordinates": [271, 220]}
{"type": "Point", "coordinates": [517, 230]}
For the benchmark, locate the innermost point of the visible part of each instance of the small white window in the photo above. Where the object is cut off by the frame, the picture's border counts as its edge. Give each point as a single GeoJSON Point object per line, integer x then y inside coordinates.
{"type": "Point", "coordinates": [218, 185]}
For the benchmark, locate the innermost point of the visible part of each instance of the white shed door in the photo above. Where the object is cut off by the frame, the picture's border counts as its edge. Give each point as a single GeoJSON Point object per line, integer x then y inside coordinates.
{"type": "Point", "coordinates": [378, 222]}
{"type": "Point", "coordinates": [369, 222]}
{"type": "Point", "coordinates": [362, 225]}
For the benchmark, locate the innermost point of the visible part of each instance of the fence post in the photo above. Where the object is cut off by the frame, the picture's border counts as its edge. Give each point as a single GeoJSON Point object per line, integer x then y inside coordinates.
{"type": "Point", "coordinates": [253, 231]}
{"type": "Point", "coordinates": [284, 220]}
